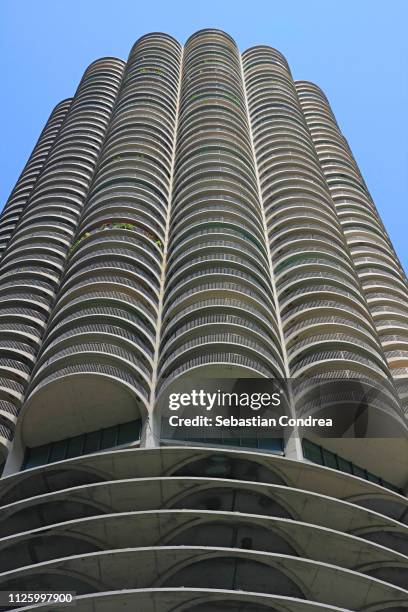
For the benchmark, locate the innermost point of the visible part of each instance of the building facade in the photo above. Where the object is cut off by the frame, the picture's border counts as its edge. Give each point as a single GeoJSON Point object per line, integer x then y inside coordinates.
{"type": "Point", "coordinates": [195, 211]}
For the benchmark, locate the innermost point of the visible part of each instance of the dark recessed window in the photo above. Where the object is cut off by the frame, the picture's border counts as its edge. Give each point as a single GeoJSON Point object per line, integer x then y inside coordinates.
{"type": "Point", "coordinates": [109, 437]}
{"type": "Point", "coordinates": [75, 446]}
{"type": "Point", "coordinates": [330, 459]}
{"type": "Point", "coordinates": [128, 432]}
{"type": "Point", "coordinates": [317, 454]}
{"type": "Point", "coordinates": [92, 442]}
{"type": "Point", "coordinates": [58, 450]}
{"type": "Point", "coordinates": [345, 466]}
{"type": "Point", "coordinates": [358, 471]}
{"type": "Point", "coordinates": [274, 445]}
{"type": "Point", "coordinates": [37, 456]}
{"type": "Point", "coordinates": [89, 442]}
{"type": "Point", "coordinates": [313, 452]}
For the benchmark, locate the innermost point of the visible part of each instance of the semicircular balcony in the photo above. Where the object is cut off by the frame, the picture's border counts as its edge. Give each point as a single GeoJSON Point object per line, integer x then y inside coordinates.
{"type": "Point", "coordinates": [307, 315]}
{"type": "Point", "coordinates": [298, 333]}
{"type": "Point", "coordinates": [61, 388]}
{"type": "Point", "coordinates": [103, 329]}
{"type": "Point", "coordinates": [202, 240]}
{"type": "Point", "coordinates": [292, 200]}
{"type": "Point", "coordinates": [282, 527]}
{"type": "Point", "coordinates": [210, 209]}
{"type": "Point", "coordinates": [28, 178]}
{"type": "Point", "coordinates": [301, 292]}
{"type": "Point", "coordinates": [36, 254]}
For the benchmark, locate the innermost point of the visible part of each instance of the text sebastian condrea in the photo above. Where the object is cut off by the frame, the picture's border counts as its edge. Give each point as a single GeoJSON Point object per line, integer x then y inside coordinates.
{"type": "Point", "coordinates": [254, 421]}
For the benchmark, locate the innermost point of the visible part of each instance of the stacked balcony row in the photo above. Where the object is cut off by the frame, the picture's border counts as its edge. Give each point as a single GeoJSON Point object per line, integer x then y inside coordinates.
{"type": "Point", "coordinates": [382, 279]}
{"type": "Point", "coordinates": [203, 530]}
{"type": "Point", "coordinates": [102, 334]}
{"type": "Point", "coordinates": [183, 223]}
{"type": "Point", "coordinates": [219, 313]}
{"type": "Point", "coordinates": [29, 176]}
{"type": "Point", "coordinates": [328, 329]}
{"type": "Point", "coordinates": [34, 259]}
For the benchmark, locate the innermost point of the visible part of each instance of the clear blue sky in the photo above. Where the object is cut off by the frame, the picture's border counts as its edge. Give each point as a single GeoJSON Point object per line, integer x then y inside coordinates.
{"type": "Point", "coordinates": [356, 50]}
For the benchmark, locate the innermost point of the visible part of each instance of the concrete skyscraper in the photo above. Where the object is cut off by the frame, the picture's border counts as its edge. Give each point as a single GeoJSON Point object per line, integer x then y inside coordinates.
{"type": "Point", "coordinates": [196, 211]}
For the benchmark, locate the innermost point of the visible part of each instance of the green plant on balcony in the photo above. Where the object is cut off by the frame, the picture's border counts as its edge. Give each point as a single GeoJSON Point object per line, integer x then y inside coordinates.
{"type": "Point", "coordinates": [118, 225]}
{"type": "Point", "coordinates": [76, 243]}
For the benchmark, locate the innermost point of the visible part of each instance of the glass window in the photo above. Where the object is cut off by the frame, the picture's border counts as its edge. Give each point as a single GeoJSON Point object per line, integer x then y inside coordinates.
{"type": "Point", "coordinates": [358, 471]}
{"type": "Point", "coordinates": [249, 442]}
{"type": "Point", "coordinates": [373, 478]}
{"type": "Point", "coordinates": [129, 432]}
{"type": "Point", "coordinates": [92, 442]}
{"type": "Point", "coordinates": [312, 452]}
{"type": "Point", "coordinates": [320, 455]}
{"type": "Point", "coordinates": [344, 466]}
{"type": "Point", "coordinates": [83, 444]}
{"type": "Point", "coordinates": [229, 441]}
{"type": "Point", "coordinates": [330, 459]}
{"type": "Point", "coordinates": [109, 436]}
{"type": "Point", "coordinates": [272, 444]}
{"type": "Point", "coordinates": [37, 456]}
{"type": "Point", "coordinates": [58, 450]}
{"type": "Point", "coordinates": [75, 446]}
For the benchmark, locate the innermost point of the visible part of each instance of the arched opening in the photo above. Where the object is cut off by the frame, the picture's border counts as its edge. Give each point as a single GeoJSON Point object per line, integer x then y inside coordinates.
{"type": "Point", "coordinates": [47, 513]}
{"type": "Point", "coordinates": [226, 499]}
{"type": "Point", "coordinates": [232, 534]}
{"type": "Point", "coordinates": [72, 404]}
{"type": "Point", "coordinates": [226, 606]}
{"type": "Point", "coordinates": [224, 466]}
{"type": "Point", "coordinates": [234, 574]}
{"type": "Point", "coordinates": [390, 539]}
{"type": "Point", "coordinates": [57, 582]}
{"type": "Point", "coordinates": [47, 481]}
{"type": "Point", "coordinates": [387, 506]}
{"type": "Point", "coordinates": [44, 548]}
{"type": "Point", "coordinates": [394, 574]}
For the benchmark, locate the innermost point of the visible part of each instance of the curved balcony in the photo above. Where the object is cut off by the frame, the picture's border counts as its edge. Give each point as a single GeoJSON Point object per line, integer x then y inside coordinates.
{"type": "Point", "coordinates": [29, 176]}
{"type": "Point", "coordinates": [216, 216]}
{"type": "Point", "coordinates": [103, 329]}
{"type": "Point", "coordinates": [188, 256]}
{"type": "Point", "coordinates": [371, 249]}
{"type": "Point", "coordinates": [236, 511]}
{"type": "Point", "coordinates": [37, 251]}
{"type": "Point", "coordinates": [61, 390]}
{"type": "Point", "coordinates": [208, 263]}
{"type": "Point", "coordinates": [216, 340]}
{"type": "Point", "coordinates": [214, 171]}
{"type": "Point", "coordinates": [300, 293]}
{"type": "Point", "coordinates": [214, 279]}
{"type": "Point", "coordinates": [306, 241]}
{"type": "Point", "coordinates": [227, 239]}
{"type": "Point", "coordinates": [207, 567]}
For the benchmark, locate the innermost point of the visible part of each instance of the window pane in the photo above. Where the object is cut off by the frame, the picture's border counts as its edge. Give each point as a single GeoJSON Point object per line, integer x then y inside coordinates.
{"type": "Point", "coordinates": [58, 450]}
{"type": "Point", "coordinates": [231, 442]}
{"type": "Point", "coordinates": [37, 456]}
{"type": "Point", "coordinates": [344, 466]}
{"type": "Point", "coordinates": [358, 471]}
{"type": "Point", "coordinates": [129, 432]}
{"type": "Point", "coordinates": [329, 459]}
{"type": "Point", "coordinates": [272, 444]}
{"type": "Point", "coordinates": [248, 442]}
{"type": "Point", "coordinates": [92, 442]}
{"type": "Point", "coordinates": [312, 452]}
{"type": "Point", "coordinates": [75, 446]}
{"type": "Point", "coordinates": [109, 436]}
